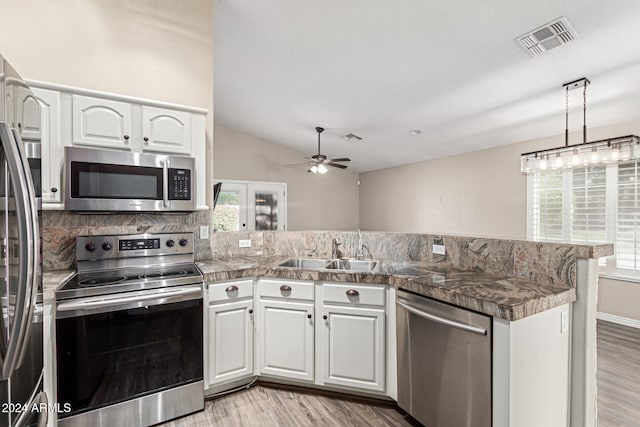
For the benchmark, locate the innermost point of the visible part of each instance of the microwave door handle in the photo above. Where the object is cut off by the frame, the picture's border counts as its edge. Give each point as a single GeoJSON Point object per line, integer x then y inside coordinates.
{"type": "Point", "coordinates": [27, 218]}
{"type": "Point", "coordinates": [165, 183]}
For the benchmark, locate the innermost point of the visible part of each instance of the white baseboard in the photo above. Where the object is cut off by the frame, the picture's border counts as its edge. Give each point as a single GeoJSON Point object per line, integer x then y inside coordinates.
{"type": "Point", "coordinates": [618, 319]}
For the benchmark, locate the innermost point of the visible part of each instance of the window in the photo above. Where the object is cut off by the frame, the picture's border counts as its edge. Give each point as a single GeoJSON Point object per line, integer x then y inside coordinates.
{"type": "Point", "coordinates": [592, 204]}
{"type": "Point", "coordinates": [244, 205]}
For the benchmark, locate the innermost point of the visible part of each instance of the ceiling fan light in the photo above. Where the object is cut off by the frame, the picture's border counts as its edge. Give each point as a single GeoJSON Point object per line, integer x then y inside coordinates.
{"type": "Point", "coordinates": [322, 169]}
{"type": "Point", "coordinates": [313, 169]}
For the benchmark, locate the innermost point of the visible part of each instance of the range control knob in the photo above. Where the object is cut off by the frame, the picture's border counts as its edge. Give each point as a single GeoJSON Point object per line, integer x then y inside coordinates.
{"type": "Point", "coordinates": [183, 242]}
{"type": "Point", "coordinates": [170, 243]}
{"type": "Point", "coordinates": [106, 246]}
{"type": "Point", "coordinates": [90, 247]}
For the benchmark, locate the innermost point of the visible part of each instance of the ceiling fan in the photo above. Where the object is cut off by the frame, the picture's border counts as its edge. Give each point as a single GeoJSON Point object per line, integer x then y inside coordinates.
{"type": "Point", "coordinates": [319, 162]}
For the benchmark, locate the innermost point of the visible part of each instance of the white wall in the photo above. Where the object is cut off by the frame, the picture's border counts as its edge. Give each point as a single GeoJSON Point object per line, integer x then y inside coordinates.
{"type": "Point", "coordinates": [481, 193]}
{"type": "Point", "coordinates": [315, 202]}
{"type": "Point", "coordinates": [156, 49]}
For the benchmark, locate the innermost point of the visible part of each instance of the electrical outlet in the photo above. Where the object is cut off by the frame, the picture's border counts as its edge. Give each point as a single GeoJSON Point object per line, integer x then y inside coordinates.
{"type": "Point", "coordinates": [204, 231]}
{"type": "Point", "coordinates": [244, 243]}
{"type": "Point", "coordinates": [438, 249]}
{"type": "Point", "coordinates": [564, 322]}
{"type": "Point", "coordinates": [438, 279]}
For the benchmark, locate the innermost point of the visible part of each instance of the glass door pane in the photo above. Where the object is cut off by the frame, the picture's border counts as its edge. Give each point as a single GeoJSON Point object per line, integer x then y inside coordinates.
{"type": "Point", "coordinates": [266, 207]}
{"type": "Point", "coordinates": [230, 211]}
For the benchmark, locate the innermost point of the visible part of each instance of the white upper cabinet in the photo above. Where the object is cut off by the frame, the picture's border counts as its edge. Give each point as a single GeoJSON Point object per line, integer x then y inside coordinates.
{"type": "Point", "coordinates": [166, 131]}
{"type": "Point", "coordinates": [51, 149]}
{"type": "Point", "coordinates": [79, 117]}
{"type": "Point", "coordinates": [29, 120]}
{"type": "Point", "coordinates": [101, 123]}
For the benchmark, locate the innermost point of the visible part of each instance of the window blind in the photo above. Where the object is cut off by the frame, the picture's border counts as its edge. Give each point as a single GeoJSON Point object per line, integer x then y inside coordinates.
{"type": "Point", "coordinates": [589, 204]}
{"type": "Point", "coordinates": [547, 205]}
{"type": "Point", "coordinates": [592, 204]}
{"type": "Point", "coordinates": [627, 239]}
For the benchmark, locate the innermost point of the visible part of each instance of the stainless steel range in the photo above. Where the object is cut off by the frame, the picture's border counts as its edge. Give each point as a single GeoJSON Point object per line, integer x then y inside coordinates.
{"type": "Point", "coordinates": [129, 332]}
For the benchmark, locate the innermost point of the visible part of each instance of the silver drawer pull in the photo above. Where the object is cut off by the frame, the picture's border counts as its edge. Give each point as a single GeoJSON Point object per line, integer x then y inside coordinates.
{"type": "Point", "coordinates": [285, 288]}
{"type": "Point", "coordinates": [232, 288]}
{"type": "Point", "coordinates": [353, 293]}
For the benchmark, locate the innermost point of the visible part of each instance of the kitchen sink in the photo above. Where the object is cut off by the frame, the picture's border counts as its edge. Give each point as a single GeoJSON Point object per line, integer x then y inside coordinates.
{"type": "Point", "coordinates": [306, 263]}
{"type": "Point", "coordinates": [353, 264]}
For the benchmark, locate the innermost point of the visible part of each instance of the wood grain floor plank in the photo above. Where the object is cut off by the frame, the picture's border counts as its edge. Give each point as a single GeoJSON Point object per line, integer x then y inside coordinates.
{"type": "Point", "coordinates": [618, 375]}
{"type": "Point", "coordinates": [618, 397]}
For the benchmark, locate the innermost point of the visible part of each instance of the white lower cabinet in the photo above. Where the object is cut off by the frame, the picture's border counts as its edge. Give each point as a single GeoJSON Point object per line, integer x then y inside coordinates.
{"type": "Point", "coordinates": [286, 329]}
{"type": "Point", "coordinates": [354, 347]}
{"type": "Point", "coordinates": [325, 334]}
{"type": "Point", "coordinates": [230, 332]}
{"type": "Point", "coordinates": [353, 335]}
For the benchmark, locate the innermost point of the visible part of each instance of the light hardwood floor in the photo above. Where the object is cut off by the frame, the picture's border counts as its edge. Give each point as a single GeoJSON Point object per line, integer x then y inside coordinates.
{"type": "Point", "coordinates": [618, 397]}
{"type": "Point", "coordinates": [618, 375]}
{"type": "Point", "coordinates": [268, 406]}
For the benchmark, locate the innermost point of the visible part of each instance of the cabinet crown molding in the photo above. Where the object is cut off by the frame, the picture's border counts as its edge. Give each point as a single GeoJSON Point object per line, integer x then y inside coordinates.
{"type": "Point", "coordinates": [114, 96]}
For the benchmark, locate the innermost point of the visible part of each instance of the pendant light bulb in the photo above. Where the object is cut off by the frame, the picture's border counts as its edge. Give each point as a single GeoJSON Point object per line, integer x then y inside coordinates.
{"type": "Point", "coordinates": [321, 169]}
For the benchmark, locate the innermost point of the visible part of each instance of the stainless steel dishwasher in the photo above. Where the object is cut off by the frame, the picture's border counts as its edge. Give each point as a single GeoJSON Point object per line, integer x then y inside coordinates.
{"type": "Point", "coordinates": [444, 363]}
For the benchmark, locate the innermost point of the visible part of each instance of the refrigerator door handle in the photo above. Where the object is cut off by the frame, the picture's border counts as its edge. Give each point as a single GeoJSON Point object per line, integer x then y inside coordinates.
{"type": "Point", "coordinates": [27, 219]}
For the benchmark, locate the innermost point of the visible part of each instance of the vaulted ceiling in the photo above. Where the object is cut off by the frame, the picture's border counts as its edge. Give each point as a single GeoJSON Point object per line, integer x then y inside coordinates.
{"type": "Point", "coordinates": [451, 69]}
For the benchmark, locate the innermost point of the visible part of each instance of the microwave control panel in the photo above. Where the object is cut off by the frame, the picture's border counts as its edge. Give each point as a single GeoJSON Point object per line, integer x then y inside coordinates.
{"type": "Point", "coordinates": [179, 184]}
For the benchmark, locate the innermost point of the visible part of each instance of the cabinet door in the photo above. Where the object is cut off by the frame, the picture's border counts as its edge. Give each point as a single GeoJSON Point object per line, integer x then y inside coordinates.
{"type": "Point", "coordinates": [230, 341]}
{"type": "Point", "coordinates": [52, 149]}
{"type": "Point", "coordinates": [29, 115]}
{"type": "Point", "coordinates": [354, 347]}
{"type": "Point", "coordinates": [101, 123]}
{"type": "Point", "coordinates": [285, 331]}
{"type": "Point", "coordinates": [166, 131]}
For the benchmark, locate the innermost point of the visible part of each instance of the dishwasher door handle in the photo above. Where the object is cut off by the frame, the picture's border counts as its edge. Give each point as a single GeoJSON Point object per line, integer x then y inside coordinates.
{"type": "Point", "coordinates": [441, 320]}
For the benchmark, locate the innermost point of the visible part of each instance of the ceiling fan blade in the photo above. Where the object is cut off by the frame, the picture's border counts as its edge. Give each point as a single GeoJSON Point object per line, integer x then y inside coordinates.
{"type": "Point", "coordinates": [341, 159]}
{"type": "Point", "coordinates": [298, 164]}
{"type": "Point", "coordinates": [336, 165]}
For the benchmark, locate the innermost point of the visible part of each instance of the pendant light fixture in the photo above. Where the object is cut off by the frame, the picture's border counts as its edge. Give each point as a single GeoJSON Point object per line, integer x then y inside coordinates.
{"type": "Point", "coordinates": [604, 151]}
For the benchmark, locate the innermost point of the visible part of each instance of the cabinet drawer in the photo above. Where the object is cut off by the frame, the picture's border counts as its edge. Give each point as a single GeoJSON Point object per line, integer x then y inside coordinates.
{"type": "Point", "coordinates": [229, 291]}
{"type": "Point", "coordinates": [285, 289]}
{"type": "Point", "coordinates": [363, 295]}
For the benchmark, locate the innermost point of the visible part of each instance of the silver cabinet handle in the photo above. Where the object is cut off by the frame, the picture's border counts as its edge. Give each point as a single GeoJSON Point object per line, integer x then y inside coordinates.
{"type": "Point", "coordinates": [231, 288]}
{"type": "Point", "coordinates": [14, 345]}
{"type": "Point", "coordinates": [353, 293]}
{"type": "Point", "coordinates": [165, 183]}
{"type": "Point", "coordinates": [441, 320]}
{"type": "Point", "coordinates": [285, 288]}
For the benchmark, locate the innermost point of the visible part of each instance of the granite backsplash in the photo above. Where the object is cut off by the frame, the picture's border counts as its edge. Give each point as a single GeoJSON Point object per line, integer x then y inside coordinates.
{"type": "Point", "coordinates": [553, 263]}
{"type": "Point", "coordinates": [60, 229]}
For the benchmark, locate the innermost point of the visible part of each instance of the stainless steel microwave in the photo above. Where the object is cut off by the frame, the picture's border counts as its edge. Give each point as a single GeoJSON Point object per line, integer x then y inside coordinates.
{"type": "Point", "coordinates": [115, 181]}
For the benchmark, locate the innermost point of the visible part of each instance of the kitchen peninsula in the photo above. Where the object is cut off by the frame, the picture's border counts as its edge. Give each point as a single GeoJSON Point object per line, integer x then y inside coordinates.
{"type": "Point", "coordinates": [525, 286]}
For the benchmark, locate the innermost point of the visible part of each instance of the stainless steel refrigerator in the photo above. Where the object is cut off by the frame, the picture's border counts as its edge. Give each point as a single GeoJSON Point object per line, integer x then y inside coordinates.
{"type": "Point", "coordinates": [22, 401]}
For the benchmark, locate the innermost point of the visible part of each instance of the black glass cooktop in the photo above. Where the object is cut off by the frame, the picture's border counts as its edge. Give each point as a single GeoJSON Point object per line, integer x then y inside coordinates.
{"type": "Point", "coordinates": [128, 279]}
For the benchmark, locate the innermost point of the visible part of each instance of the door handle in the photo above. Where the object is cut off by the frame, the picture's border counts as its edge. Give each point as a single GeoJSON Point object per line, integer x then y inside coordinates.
{"type": "Point", "coordinates": [441, 320]}
{"type": "Point", "coordinates": [165, 183]}
{"type": "Point", "coordinates": [14, 345]}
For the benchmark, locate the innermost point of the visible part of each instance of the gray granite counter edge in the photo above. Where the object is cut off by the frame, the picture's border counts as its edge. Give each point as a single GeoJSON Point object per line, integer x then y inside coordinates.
{"type": "Point", "coordinates": [52, 280]}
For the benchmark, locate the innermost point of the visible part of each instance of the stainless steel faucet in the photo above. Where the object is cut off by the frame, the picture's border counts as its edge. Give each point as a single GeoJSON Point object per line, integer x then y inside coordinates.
{"type": "Point", "coordinates": [335, 252]}
{"type": "Point", "coordinates": [360, 248]}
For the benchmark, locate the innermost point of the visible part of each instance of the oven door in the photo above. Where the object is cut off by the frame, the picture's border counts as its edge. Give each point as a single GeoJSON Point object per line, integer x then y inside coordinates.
{"type": "Point", "coordinates": [115, 348]}
{"type": "Point", "coordinates": [108, 180]}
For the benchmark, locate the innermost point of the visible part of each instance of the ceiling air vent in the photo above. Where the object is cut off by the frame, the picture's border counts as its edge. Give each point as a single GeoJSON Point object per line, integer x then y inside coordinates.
{"type": "Point", "coordinates": [549, 36]}
{"type": "Point", "coordinates": [350, 137]}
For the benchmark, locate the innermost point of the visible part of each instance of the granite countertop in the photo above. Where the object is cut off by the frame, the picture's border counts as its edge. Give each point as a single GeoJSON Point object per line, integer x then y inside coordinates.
{"type": "Point", "coordinates": [51, 280]}
{"type": "Point", "coordinates": [507, 298]}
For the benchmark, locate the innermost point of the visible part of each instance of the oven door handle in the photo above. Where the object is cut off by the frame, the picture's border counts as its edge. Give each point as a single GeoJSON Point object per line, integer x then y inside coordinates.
{"type": "Point", "coordinates": [164, 297]}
